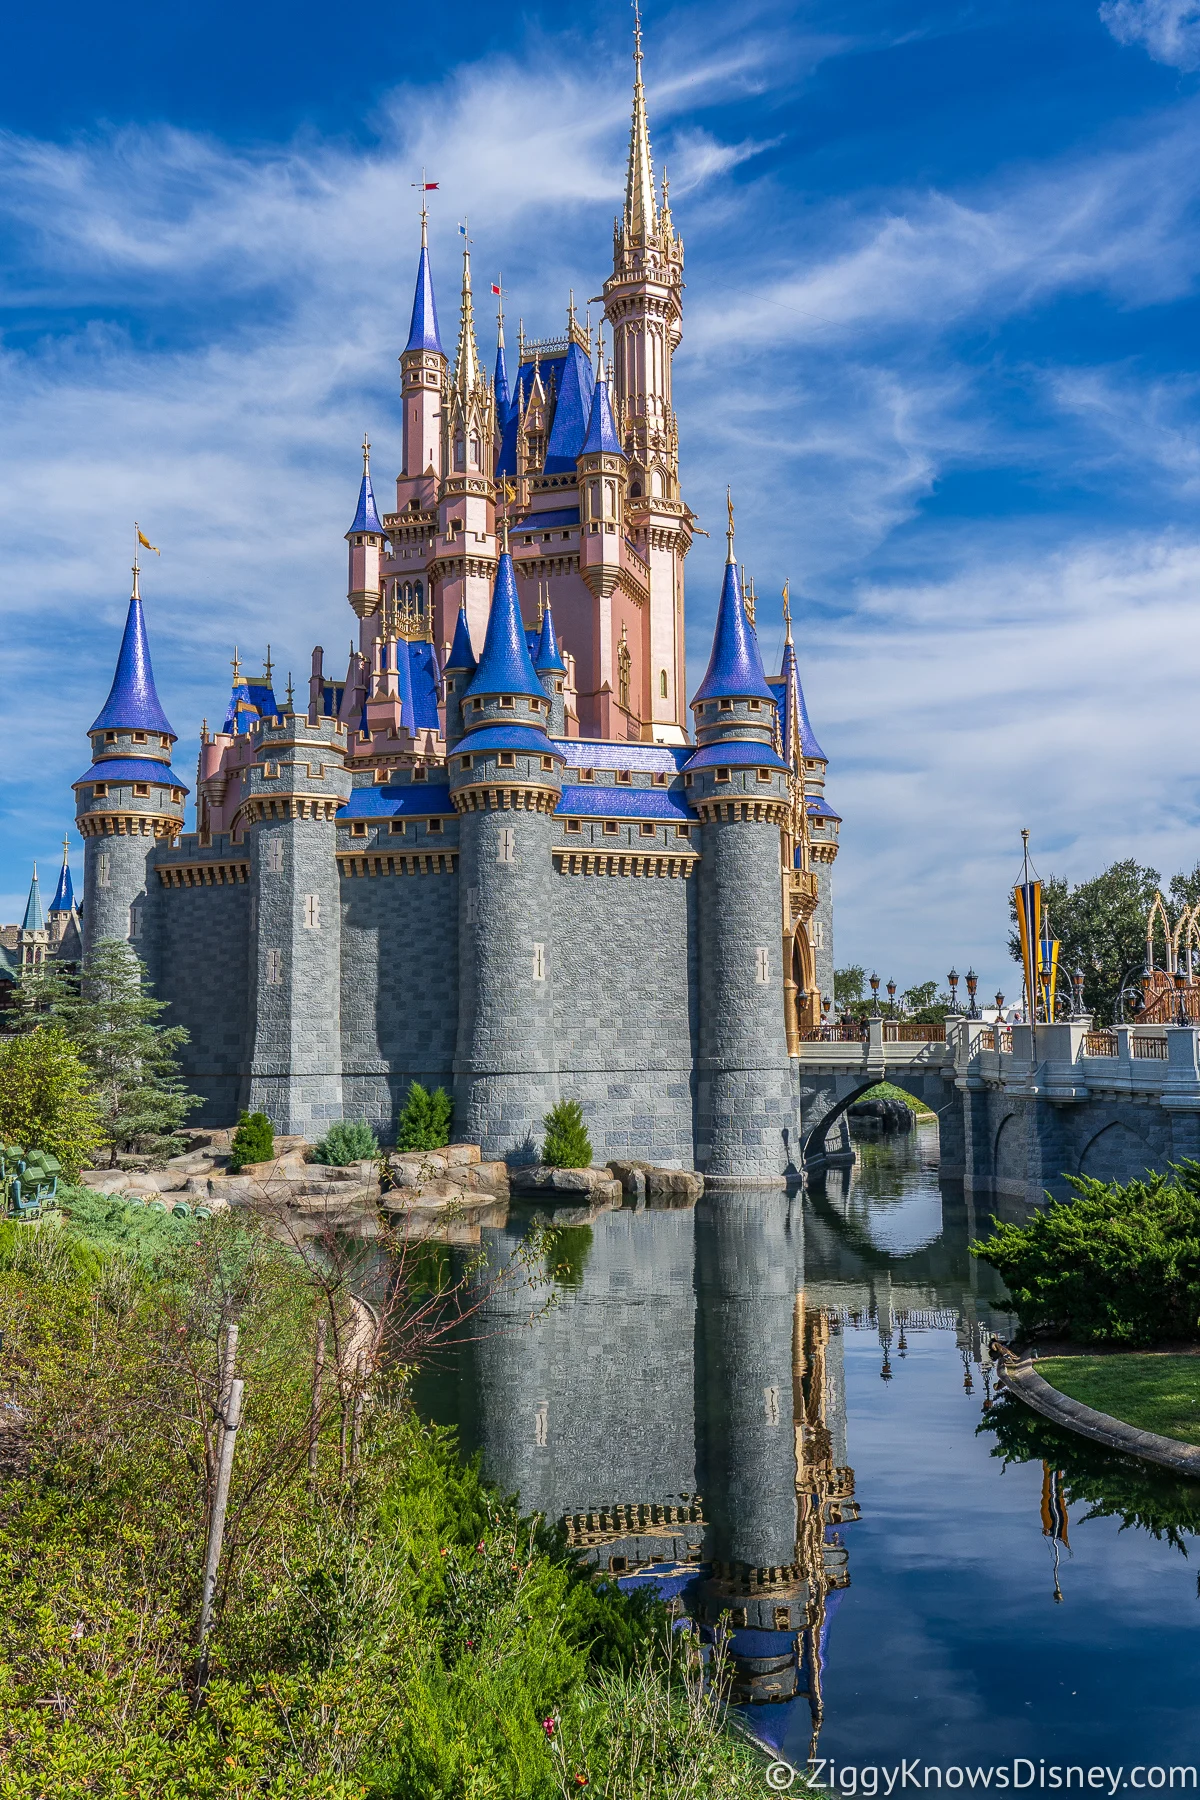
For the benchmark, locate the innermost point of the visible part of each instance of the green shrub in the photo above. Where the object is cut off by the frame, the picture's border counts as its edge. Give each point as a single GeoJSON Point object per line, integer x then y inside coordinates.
{"type": "Point", "coordinates": [425, 1122]}
{"type": "Point", "coordinates": [45, 1102]}
{"type": "Point", "coordinates": [1119, 1264]}
{"type": "Point", "coordinates": [351, 1140]}
{"type": "Point", "coordinates": [567, 1144]}
{"type": "Point", "coordinates": [253, 1141]}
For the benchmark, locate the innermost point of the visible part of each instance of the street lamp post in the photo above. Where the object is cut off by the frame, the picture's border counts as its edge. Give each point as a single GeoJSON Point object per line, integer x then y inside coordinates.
{"type": "Point", "coordinates": [952, 978]}
{"type": "Point", "coordinates": [874, 980]}
{"type": "Point", "coordinates": [1077, 1008]}
{"type": "Point", "coordinates": [891, 991]}
{"type": "Point", "coordinates": [999, 1001]}
{"type": "Point", "coordinates": [972, 985]}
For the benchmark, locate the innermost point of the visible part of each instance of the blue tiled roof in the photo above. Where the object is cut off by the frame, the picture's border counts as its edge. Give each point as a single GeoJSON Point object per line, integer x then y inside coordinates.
{"type": "Point", "coordinates": [404, 686]}
{"type": "Point", "coordinates": [737, 755]}
{"type": "Point", "coordinates": [735, 668]}
{"type": "Point", "coordinates": [132, 703]}
{"type": "Point", "coordinates": [526, 738]}
{"type": "Point", "coordinates": [505, 666]}
{"type": "Point", "coordinates": [64, 893]}
{"type": "Point", "coordinates": [461, 656]}
{"type": "Point", "coordinates": [500, 385]}
{"type": "Point", "coordinates": [548, 521]}
{"type": "Point", "coordinates": [820, 808]}
{"type": "Point", "coordinates": [407, 800]}
{"type": "Point", "coordinates": [602, 433]}
{"type": "Point", "coordinates": [248, 702]}
{"type": "Point", "coordinates": [548, 654]}
{"type": "Point", "coordinates": [782, 686]}
{"type": "Point", "coordinates": [425, 677]}
{"type": "Point", "coordinates": [367, 517]}
{"type": "Point", "coordinates": [571, 412]}
{"type": "Point", "coordinates": [601, 753]}
{"type": "Point", "coordinates": [423, 329]}
{"type": "Point", "coordinates": [131, 768]}
{"type": "Point", "coordinates": [587, 801]}
{"type": "Point", "coordinates": [33, 920]}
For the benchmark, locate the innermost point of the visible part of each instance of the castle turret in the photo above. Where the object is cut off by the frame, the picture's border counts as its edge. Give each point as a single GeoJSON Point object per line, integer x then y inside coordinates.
{"type": "Point", "coordinates": [64, 893]}
{"type": "Point", "coordinates": [366, 540]}
{"type": "Point", "coordinates": [643, 303]}
{"type": "Point", "coordinates": [33, 935]}
{"type": "Point", "coordinates": [130, 799]}
{"type": "Point", "coordinates": [423, 383]}
{"type": "Point", "coordinates": [601, 498]}
{"type": "Point", "coordinates": [467, 547]}
{"type": "Point", "coordinates": [292, 792]}
{"type": "Point", "coordinates": [739, 784]}
{"type": "Point", "coordinates": [459, 670]}
{"type": "Point", "coordinates": [505, 782]}
{"type": "Point", "coordinates": [552, 673]}
{"type": "Point", "coordinates": [63, 919]}
{"type": "Point", "coordinates": [500, 388]}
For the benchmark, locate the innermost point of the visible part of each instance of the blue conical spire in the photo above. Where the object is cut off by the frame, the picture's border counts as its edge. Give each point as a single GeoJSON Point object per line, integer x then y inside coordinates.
{"type": "Point", "coordinates": [504, 667]}
{"type": "Point", "coordinates": [423, 331]}
{"type": "Point", "coordinates": [34, 920]}
{"type": "Point", "coordinates": [461, 656]}
{"type": "Point", "coordinates": [735, 669]}
{"type": "Point", "coordinates": [548, 654]}
{"type": "Point", "coordinates": [367, 517]}
{"type": "Point", "coordinates": [602, 432]}
{"type": "Point", "coordinates": [132, 703]}
{"type": "Point", "coordinates": [500, 385]}
{"type": "Point", "coordinates": [64, 893]}
{"type": "Point", "coordinates": [404, 685]}
{"type": "Point", "coordinates": [808, 741]}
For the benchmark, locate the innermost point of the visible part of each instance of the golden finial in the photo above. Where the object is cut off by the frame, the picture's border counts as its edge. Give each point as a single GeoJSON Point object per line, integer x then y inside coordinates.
{"type": "Point", "coordinates": [366, 454]}
{"type": "Point", "coordinates": [787, 612]}
{"type": "Point", "coordinates": [66, 849]}
{"type": "Point", "coordinates": [291, 699]}
{"type": "Point", "coordinates": [236, 666]}
{"type": "Point", "coordinates": [729, 532]}
{"type": "Point", "coordinates": [637, 36]}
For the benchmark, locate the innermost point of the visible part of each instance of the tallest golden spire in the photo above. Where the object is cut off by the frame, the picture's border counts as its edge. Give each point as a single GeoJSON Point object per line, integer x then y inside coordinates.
{"type": "Point", "coordinates": [641, 210]}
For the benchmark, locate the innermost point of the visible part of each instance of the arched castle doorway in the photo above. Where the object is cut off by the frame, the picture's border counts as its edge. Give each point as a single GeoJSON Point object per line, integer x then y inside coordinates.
{"type": "Point", "coordinates": [801, 979]}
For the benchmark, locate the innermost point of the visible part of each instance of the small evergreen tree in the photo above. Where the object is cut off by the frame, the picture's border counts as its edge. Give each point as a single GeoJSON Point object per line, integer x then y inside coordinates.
{"type": "Point", "coordinates": [253, 1141]}
{"type": "Point", "coordinates": [425, 1122]}
{"type": "Point", "coordinates": [112, 1019]}
{"type": "Point", "coordinates": [44, 1099]}
{"type": "Point", "coordinates": [567, 1144]}
{"type": "Point", "coordinates": [351, 1140]}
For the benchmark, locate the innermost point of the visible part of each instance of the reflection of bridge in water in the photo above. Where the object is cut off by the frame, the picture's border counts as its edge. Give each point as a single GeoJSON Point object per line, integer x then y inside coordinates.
{"type": "Point", "coordinates": [1019, 1109]}
{"type": "Point", "coordinates": [680, 1406]}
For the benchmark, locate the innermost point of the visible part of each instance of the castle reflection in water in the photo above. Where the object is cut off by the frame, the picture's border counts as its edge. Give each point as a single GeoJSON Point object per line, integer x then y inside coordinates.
{"type": "Point", "coordinates": [674, 1393]}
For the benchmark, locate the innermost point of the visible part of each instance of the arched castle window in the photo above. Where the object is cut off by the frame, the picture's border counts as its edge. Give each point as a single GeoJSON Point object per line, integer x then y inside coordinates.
{"type": "Point", "coordinates": [459, 452]}
{"type": "Point", "coordinates": [418, 595]}
{"type": "Point", "coordinates": [474, 452]}
{"type": "Point", "coordinates": [635, 490]}
{"type": "Point", "coordinates": [624, 659]}
{"type": "Point", "coordinates": [610, 499]}
{"type": "Point", "coordinates": [662, 683]}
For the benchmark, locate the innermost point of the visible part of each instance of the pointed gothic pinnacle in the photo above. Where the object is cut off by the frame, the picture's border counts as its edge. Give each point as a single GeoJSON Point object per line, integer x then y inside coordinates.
{"type": "Point", "coordinates": [136, 572]}
{"type": "Point", "coordinates": [787, 612]}
{"type": "Point", "coordinates": [466, 371]}
{"type": "Point", "coordinates": [729, 533]}
{"type": "Point", "coordinates": [641, 212]}
{"type": "Point", "coordinates": [366, 454]}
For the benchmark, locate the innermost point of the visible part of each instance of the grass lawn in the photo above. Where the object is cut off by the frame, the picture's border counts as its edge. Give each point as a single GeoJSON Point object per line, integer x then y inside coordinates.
{"type": "Point", "coordinates": [886, 1091]}
{"type": "Point", "coordinates": [1156, 1393]}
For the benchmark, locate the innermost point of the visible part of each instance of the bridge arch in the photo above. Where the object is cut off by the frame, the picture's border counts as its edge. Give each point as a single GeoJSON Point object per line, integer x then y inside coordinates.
{"type": "Point", "coordinates": [1113, 1151]}
{"type": "Point", "coordinates": [816, 1122]}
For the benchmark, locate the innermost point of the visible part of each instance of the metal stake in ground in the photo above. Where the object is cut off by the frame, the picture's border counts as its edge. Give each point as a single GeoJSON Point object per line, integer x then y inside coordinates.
{"type": "Point", "coordinates": [216, 1524]}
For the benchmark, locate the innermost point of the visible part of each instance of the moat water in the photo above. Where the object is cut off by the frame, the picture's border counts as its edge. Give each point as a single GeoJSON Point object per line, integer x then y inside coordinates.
{"type": "Point", "coordinates": [783, 1408]}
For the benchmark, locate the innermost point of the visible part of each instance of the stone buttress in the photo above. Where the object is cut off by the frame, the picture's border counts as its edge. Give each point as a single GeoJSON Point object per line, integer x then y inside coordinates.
{"type": "Point", "coordinates": [293, 790]}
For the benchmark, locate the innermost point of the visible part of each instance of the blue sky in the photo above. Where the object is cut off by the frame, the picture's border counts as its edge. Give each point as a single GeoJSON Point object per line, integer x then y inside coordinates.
{"type": "Point", "coordinates": [941, 330]}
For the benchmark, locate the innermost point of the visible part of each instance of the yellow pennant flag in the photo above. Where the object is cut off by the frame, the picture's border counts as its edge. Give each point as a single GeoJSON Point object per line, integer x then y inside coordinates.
{"type": "Point", "coordinates": [144, 541]}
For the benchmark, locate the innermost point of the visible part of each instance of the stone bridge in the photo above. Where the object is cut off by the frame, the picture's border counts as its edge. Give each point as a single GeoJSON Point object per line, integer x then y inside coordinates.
{"type": "Point", "coordinates": [1021, 1108]}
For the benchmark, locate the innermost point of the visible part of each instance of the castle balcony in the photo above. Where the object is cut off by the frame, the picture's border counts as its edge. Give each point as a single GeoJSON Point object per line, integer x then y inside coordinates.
{"type": "Point", "coordinates": [801, 895]}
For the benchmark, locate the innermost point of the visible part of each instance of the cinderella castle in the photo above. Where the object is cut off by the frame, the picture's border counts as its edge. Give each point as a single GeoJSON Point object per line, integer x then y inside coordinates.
{"type": "Point", "coordinates": [488, 855]}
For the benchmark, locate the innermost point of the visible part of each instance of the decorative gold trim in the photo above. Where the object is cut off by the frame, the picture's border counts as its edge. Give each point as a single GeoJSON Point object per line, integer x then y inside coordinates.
{"type": "Point", "coordinates": [204, 874]}
{"type": "Point", "coordinates": [570, 861]}
{"type": "Point", "coordinates": [491, 797]}
{"type": "Point", "coordinates": [440, 862]}
{"type": "Point", "coordinates": [157, 825]}
{"type": "Point", "coordinates": [771, 812]}
{"type": "Point", "coordinates": [285, 806]}
{"type": "Point", "coordinates": [639, 1519]}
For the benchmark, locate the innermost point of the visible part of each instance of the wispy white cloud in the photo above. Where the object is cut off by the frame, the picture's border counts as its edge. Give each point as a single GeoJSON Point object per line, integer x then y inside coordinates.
{"type": "Point", "coordinates": [1169, 30]}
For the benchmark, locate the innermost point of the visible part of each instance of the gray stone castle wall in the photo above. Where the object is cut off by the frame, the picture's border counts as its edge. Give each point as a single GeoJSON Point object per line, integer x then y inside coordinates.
{"type": "Point", "coordinates": [399, 988]}
{"type": "Point", "coordinates": [822, 918]}
{"type": "Point", "coordinates": [626, 1002]}
{"type": "Point", "coordinates": [201, 967]}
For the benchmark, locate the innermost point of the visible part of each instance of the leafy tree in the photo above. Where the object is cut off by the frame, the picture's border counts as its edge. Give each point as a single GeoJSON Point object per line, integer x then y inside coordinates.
{"type": "Point", "coordinates": [351, 1140]}
{"type": "Point", "coordinates": [924, 1005]}
{"type": "Point", "coordinates": [1101, 925]}
{"type": "Point", "coordinates": [424, 1123]}
{"type": "Point", "coordinates": [567, 1144]}
{"type": "Point", "coordinates": [112, 1019]}
{"type": "Point", "coordinates": [1184, 890]}
{"type": "Point", "coordinates": [849, 983]}
{"type": "Point", "coordinates": [253, 1141]}
{"type": "Point", "coordinates": [1119, 1264]}
{"type": "Point", "coordinates": [45, 1103]}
